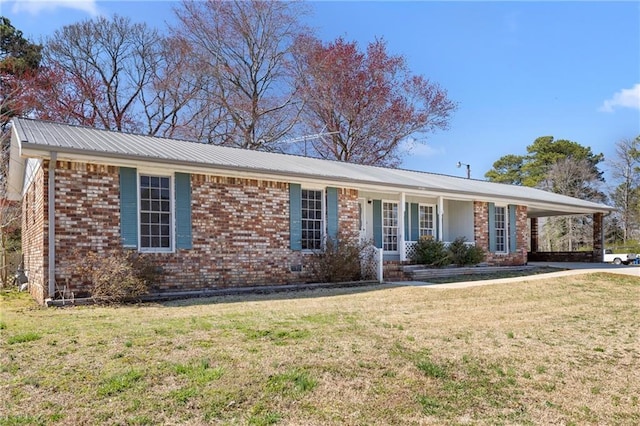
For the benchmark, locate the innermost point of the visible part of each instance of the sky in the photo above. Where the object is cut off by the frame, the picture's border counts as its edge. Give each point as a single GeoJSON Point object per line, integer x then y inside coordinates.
{"type": "Point", "coordinates": [518, 70]}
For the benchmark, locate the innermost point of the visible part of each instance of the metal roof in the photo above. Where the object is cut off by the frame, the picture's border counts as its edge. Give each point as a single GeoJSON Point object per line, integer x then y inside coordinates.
{"type": "Point", "coordinates": [38, 138]}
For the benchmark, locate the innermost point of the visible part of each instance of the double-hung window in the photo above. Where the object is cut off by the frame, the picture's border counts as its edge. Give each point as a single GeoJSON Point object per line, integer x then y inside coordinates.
{"type": "Point", "coordinates": [426, 225]}
{"type": "Point", "coordinates": [500, 229]}
{"type": "Point", "coordinates": [312, 223]}
{"type": "Point", "coordinates": [389, 226]}
{"type": "Point", "coordinates": [156, 215]}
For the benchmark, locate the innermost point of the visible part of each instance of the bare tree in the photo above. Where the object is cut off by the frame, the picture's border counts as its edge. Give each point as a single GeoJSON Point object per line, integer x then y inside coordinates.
{"type": "Point", "coordinates": [99, 69]}
{"type": "Point", "coordinates": [575, 178]}
{"type": "Point", "coordinates": [244, 49]}
{"type": "Point", "coordinates": [625, 169]}
{"type": "Point", "coordinates": [369, 101]}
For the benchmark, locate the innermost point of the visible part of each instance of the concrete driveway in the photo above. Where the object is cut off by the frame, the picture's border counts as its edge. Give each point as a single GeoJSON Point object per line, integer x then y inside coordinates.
{"type": "Point", "coordinates": [572, 268]}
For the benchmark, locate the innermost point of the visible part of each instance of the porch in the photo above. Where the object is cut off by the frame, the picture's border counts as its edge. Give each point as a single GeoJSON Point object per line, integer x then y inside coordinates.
{"type": "Point", "coordinates": [394, 223]}
{"type": "Point", "coordinates": [592, 256]}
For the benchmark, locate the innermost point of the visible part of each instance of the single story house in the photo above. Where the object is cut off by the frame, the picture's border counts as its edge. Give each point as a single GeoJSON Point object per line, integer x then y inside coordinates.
{"type": "Point", "coordinates": [213, 216]}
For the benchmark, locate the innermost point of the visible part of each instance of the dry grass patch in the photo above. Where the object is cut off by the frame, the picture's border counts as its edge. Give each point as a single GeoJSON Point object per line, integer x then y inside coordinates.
{"type": "Point", "coordinates": [561, 351]}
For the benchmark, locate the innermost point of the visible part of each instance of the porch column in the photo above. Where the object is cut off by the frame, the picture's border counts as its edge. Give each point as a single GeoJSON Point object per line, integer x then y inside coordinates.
{"type": "Point", "coordinates": [598, 238]}
{"type": "Point", "coordinates": [401, 238]}
{"type": "Point", "coordinates": [534, 234]}
{"type": "Point", "coordinates": [440, 218]}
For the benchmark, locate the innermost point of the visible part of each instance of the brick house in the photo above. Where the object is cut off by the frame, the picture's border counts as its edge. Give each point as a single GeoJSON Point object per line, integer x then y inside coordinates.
{"type": "Point", "coordinates": [214, 217]}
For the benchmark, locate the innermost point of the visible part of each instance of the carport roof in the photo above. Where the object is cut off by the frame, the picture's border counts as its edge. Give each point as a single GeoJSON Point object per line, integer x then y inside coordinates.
{"type": "Point", "coordinates": [38, 139]}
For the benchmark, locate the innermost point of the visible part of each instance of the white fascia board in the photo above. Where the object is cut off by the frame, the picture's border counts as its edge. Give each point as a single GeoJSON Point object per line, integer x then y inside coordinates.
{"type": "Point", "coordinates": [37, 151]}
{"type": "Point", "coordinates": [16, 173]}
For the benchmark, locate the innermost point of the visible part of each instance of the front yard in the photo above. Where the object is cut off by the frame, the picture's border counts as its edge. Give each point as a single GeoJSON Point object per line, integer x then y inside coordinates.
{"type": "Point", "coordinates": [560, 351]}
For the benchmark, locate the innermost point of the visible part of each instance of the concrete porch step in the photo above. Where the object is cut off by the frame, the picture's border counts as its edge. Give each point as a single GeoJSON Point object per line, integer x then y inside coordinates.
{"type": "Point", "coordinates": [420, 273]}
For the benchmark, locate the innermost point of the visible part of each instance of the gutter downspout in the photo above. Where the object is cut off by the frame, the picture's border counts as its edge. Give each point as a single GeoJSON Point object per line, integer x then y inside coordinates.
{"type": "Point", "coordinates": [52, 225]}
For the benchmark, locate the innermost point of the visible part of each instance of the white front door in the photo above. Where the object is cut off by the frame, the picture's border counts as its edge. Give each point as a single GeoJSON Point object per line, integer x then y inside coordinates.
{"type": "Point", "coordinates": [365, 220]}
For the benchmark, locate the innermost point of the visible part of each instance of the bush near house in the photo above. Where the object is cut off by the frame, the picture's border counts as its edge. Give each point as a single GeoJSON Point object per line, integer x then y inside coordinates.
{"type": "Point", "coordinates": [431, 252]}
{"type": "Point", "coordinates": [435, 253]}
{"type": "Point", "coordinates": [338, 262]}
{"type": "Point", "coordinates": [117, 275]}
{"type": "Point", "coordinates": [462, 254]}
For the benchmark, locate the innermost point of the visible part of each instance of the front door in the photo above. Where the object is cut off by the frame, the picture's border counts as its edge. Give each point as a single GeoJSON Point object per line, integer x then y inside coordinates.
{"type": "Point", "coordinates": [364, 233]}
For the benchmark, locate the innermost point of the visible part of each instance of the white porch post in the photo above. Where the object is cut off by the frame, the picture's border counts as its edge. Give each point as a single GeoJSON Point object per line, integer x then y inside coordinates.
{"type": "Point", "coordinates": [401, 248]}
{"type": "Point", "coordinates": [440, 218]}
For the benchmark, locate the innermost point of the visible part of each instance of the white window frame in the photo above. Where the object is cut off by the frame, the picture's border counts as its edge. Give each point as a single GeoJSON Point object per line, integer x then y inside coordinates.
{"type": "Point", "coordinates": [172, 208]}
{"type": "Point", "coordinates": [385, 227]}
{"type": "Point", "coordinates": [505, 229]}
{"type": "Point", "coordinates": [433, 228]}
{"type": "Point", "coordinates": [323, 221]}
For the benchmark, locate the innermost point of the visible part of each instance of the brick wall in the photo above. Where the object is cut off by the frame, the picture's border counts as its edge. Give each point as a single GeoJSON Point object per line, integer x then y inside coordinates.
{"type": "Point", "coordinates": [34, 243]}
{"type": "Point", "coordinates": [87, 203]}
{"type": "Point", "coordinates": [481, 231]}
{"type": "Point", "coordinates": [348, 214]}
{"type": "Point", "coordinates": [240, 230]}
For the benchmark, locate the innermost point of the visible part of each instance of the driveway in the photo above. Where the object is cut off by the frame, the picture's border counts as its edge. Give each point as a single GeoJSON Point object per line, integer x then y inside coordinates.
{"type": "Point", "coordinates": [572, 268]}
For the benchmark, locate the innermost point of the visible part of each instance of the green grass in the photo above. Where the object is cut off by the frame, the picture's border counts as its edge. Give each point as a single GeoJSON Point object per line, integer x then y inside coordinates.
{"type": "Point", "coordinates": [23, 338]}
{"type": "Point", "coordinates": [559, 351]}
{"type": "Point", "coordinates": [119, 382]}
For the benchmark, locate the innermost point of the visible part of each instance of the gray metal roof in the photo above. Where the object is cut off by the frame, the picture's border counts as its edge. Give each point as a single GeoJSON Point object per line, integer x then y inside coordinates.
{"type": "Point", "coordinates": [39, 138]}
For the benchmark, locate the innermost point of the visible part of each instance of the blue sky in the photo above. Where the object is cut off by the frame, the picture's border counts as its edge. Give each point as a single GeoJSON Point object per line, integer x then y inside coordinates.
{"type": "Point", "coordinates": [518, 70]}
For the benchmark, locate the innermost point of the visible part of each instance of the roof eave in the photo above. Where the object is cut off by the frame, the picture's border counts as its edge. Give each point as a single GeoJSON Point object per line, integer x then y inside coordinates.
{"type": "Point", "coordinates": [70, 154]}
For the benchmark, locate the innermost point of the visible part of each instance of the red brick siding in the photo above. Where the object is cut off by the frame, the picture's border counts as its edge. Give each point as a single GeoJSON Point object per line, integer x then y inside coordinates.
{"type": "Point", "coordinates": [87, 201]}
{"type": "Point", "coordinates": [348, 214]}
{"type": "Point", "coordinates": [34, 243]}
{"type": "Point", "coordinates": [481, 231]}
{"type": "Point", "coordinates": [240, 230]}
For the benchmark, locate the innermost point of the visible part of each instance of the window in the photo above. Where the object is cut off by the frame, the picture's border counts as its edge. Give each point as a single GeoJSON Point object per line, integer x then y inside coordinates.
{"type": "Point", "coordinates": [500, 229]}
{"type": "Point", "coordinates": [426, 220]}
{"type": "Point", "coordinates": [390, 226]}
{"type": "Point", "coordinates": [155, 213]}
{"type": "Point", "coordinates": [312, 224]}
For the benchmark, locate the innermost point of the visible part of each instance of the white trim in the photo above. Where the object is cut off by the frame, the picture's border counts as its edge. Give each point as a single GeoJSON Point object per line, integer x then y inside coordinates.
{"type": "Point", "coordinates": [434, 219]}
{"type": "Point", "coordinates": [506, 228]}
{"type": "Point", "coordinates": [323, 225]}
{"type": "Point", "coordinates": [51, 225]}
{"type": "Point", "coordinates": [440, 228]}
{"type": "Point", "coordinates": [398, 231]}
{"type": "Point", "coordinates": [172, 207]}
{"type": "Point", "coordinates": [401, 228]}
{"type": "Point", "coordinates": [555, 208]}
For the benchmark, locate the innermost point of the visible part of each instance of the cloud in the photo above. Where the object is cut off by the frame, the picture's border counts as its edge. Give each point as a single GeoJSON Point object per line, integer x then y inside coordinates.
{"type": "Point", "coordinates": [625, 98]}
{"type": "Point", "coordinates": [415, 148]}
{"type": "Point", "coordinates": [36, 7]}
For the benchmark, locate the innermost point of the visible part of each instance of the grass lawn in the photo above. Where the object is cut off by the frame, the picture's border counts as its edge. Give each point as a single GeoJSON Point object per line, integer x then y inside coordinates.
{"type": "Point", "coordinates": [558, 351]}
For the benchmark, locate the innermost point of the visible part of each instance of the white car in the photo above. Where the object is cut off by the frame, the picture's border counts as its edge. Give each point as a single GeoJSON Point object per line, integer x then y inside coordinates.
{"type": "Point", "coordinates": [617, 258]}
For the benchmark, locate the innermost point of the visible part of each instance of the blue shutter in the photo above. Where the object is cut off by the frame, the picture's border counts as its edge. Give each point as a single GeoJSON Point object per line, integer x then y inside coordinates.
{"type": "Point", "coordinates": [295, 216]}
{"type": "Point", "coordinates": [492, 227]}
{"type": "Point", "coordinates": [377, 223]}
{"type": "Point", "coordinates": [415, 222]}
{"type": "Point", "coordinates": [129, 207]}
{"type": "Point", "coordinates": [183, 210]}
{"type": "Point", "coordinates": [512, 229]}
{"type": "Point", "coordinates": [332, 213]}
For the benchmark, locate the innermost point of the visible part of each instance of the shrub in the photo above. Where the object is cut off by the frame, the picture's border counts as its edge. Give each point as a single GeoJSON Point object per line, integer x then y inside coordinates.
{"type": "Point", "coordinates": [435, 253]}
{"type": "Point", "coordinates": [431, 252]}
{"type": "Point", "coordinates": [117, 276]}
{"type": "Point", "coordinates": [474, 256]}
{"type": "Point", "coordinates": [462, 254]}
{"type": "Point", "coordinates": [338, 262]}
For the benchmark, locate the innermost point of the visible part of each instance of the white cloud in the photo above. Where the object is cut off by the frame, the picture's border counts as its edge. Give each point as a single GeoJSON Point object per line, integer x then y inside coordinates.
{"type": "Point", "coordinates": [35, 7]}
{"type": "Point", "coordinates": [415, 148]}
{"type": "Point", "coordinates": [625, 98]}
